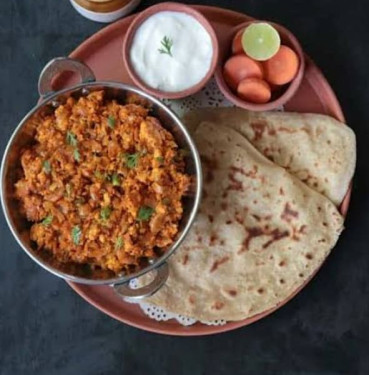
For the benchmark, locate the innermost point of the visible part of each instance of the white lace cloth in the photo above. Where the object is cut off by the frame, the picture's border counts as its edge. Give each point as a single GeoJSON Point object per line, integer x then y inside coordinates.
{"type": "Point", "coordinates": [209, 96]}
{"type": "Point", "coordinates": [160, 314]}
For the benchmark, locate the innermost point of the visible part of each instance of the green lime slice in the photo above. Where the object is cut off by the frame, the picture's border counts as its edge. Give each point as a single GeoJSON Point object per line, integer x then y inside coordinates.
{"type": "Point", "coordinates": [261, 41]}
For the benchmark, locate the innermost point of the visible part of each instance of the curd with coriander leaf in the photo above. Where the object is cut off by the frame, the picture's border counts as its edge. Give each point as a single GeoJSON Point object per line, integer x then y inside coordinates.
{"type": "Point", "coordinates": [171, 51]}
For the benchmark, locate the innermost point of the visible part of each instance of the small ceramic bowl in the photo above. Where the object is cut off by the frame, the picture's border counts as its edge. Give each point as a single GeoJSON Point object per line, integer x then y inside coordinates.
{"type": "Point", "coordinates": [174, 7]}
{"type": "Point", "coordinates": [279, 96]}
{"type": "Point", "coordinates": [104, 11]}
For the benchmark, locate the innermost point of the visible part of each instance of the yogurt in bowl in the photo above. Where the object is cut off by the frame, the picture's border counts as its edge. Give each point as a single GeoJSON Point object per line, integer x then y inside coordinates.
{"type": "Point", "coordinates": [170, 50]}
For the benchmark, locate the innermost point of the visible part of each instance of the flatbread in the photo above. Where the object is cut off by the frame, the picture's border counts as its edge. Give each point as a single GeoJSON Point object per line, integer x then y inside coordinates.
{"type": "Point", "coordinates": [259, 235]}
{"type": "Point", "coordinates": [317, 149]}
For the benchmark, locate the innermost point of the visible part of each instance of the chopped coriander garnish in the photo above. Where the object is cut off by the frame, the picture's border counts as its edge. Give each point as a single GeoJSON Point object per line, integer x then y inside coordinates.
{"type": "Point", "coordinates": [105, 213]}
{"type": "Point", "coordinates": [76, 234]}
{"type": "Point", "coordinates": [167, 45]}
{"type": "Point", "coordinates": [46, 166]}
{"type": "Point", "coordinates": [98, 175]}
{"type": "Point", "coordinates": [144, 213]}
{"type": "Point", "coordinates": [71, 139]}
{"type": "Point", "coordinates": [115, 179]}
{"type": "Point", "coordinates": [160, 159]}
{"type": "Point", "coordinates": [111, 121]}
{"type": "Point", "coordinates": [132, 160]}
{"type": "Point", "coordinates": [76, 155]}
{"type": "Point", "coordinates": [118, 243]}
{"type": "Point", "coordinates": [47, 221]}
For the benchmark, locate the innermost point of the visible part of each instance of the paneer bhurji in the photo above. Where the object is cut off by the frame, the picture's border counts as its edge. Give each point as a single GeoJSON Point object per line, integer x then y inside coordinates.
{"type": "Point", "coordinates": [102, 184]}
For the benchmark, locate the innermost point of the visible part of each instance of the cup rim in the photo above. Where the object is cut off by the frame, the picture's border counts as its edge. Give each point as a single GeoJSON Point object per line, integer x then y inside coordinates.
{"type": "Point", "coordinates": [292, 42]}
{"type": "Point", "coordinates": [143, 16]}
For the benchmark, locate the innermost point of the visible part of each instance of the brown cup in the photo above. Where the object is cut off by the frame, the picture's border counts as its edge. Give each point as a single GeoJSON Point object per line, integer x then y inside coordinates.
{"type": "Point", "coordinates": [279, 97]}
{"type": "Point", "coordinates": [139, 19]}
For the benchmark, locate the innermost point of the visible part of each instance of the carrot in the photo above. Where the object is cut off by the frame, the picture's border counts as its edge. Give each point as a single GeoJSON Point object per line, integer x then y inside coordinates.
{"type": "Point", "coordinates": [240, 67]}
{"type": "Point", "coordinates": [237, 42]}
{"type": "Point", "coordinates": [254, 90]}
{"type": "Point", "coordinates": [282, 67]}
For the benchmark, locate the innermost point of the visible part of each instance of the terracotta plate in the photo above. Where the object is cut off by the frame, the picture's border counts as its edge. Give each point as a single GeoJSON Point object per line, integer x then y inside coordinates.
{"type": "Point", "coordinates": [103, 53]}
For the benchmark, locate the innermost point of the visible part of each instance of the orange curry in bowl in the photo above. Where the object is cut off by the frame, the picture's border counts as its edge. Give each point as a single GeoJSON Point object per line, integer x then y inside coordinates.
{"type": "Point", "coordinates": [102, 184]}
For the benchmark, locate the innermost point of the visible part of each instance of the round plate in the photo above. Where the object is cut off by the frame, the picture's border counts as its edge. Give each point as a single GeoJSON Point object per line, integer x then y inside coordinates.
{"type": "Point", "coordinates": [103, 53]}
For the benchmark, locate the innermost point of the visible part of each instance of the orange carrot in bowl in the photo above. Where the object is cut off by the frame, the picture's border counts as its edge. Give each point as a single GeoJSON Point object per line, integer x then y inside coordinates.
{"type": "Point", "coordinates": [237, 42]}
{"type": "Point", "coordinates": [240, 67]}
{"type": "Point", "coordinates": [254, 90]}
{"type": "Point", "coordinates": [282, 67]}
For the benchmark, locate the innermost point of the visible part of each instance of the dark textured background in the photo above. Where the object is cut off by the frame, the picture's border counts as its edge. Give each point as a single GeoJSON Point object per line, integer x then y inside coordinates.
{"type": "Point", "coordinates": [45, 328]}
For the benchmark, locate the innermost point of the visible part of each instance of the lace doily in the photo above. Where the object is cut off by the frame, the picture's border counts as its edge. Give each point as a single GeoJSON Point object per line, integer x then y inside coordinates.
{"type": "Point", "coordinates": [209, 96]}
{"type": "Point", "coordinates": [160, 314]}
